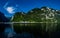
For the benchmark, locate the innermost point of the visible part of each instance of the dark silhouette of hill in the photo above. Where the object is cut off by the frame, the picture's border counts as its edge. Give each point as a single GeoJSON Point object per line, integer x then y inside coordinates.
{"type": "Point", "coordinates": [3, 19]}
{"type": "Point", "coordinates": [2, 25]}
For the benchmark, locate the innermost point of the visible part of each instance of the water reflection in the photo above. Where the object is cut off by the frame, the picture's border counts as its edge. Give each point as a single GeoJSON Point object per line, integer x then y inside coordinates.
{"type": "Point", "coordinates": [32, 30]}
{"type": "Point", "coordinates": [9, 33]}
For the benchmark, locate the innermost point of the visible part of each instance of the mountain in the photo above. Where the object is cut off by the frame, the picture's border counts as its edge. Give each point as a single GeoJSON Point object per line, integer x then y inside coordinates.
{"type": "Point", "coordinates": [42, 14]}
{"type": "Point", "coordinates": [3, 19]}
{"type": "Point", "coordinates": [19, 16]}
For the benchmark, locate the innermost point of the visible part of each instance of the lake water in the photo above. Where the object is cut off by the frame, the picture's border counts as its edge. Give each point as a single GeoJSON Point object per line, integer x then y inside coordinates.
{"type": "Point", "coordinates": [9, 33]}
{"type": "Point", "coordinates": [31, 31]}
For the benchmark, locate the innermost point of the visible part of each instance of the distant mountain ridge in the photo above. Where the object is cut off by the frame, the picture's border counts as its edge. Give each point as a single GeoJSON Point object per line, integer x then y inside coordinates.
{"type": "Point", "coordinates": [42, 14]}
{"type": "Point", "coordinates": [3, 18]}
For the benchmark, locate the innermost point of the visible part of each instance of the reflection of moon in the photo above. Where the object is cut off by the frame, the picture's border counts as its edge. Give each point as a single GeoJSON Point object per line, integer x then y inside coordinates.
{"type": "Point", "coordinates": [10, 10]}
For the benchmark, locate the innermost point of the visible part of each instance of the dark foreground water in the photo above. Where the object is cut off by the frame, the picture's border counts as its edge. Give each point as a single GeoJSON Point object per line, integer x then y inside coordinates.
{"type": "Point", "coordinates": [33, 31]}
{"type": "Point", "coordinates": [9, 33]}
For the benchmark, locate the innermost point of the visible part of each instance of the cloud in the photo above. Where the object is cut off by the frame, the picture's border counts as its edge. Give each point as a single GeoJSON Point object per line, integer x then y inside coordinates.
{"type": "Point", "coordinates": [10, 10]}
{"type": "Point", "coordinates": [5, 4]}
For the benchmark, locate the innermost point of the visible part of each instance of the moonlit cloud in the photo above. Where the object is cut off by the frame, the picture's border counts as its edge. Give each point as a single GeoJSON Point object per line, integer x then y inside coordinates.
{"type": "Point", "coordinates": [10, 10]}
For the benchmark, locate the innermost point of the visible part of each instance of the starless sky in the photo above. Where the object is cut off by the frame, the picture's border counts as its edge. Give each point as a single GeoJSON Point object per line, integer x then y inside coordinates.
{"type": "Point", "coordinates": [9, 7]}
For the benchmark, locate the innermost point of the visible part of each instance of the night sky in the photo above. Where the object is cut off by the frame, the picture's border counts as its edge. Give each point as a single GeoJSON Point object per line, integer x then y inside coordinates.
{"type": "Point", "coordinates": [9, 7]}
